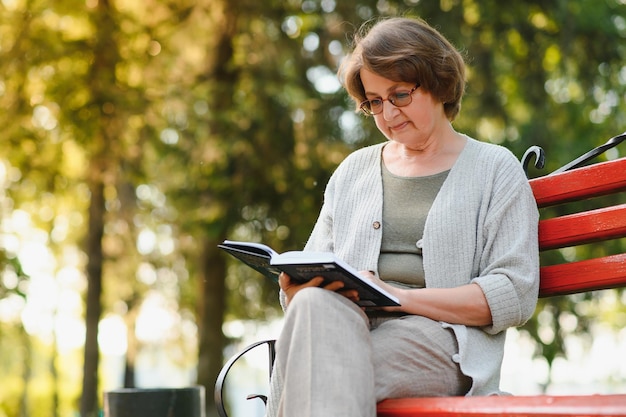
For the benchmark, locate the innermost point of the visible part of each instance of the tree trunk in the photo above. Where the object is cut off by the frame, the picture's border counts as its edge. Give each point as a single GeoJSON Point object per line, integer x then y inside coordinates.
{"type": "Point", "coordinates": [103, 147]}
{"type": "Point", "coordinates": [89, 400]}
{"type": "Point", "coordinates": [212, 305]}
{"type": "Point", "coordinates": [132, 343]}
{"type": "Point", "coordinates": [212, 301]}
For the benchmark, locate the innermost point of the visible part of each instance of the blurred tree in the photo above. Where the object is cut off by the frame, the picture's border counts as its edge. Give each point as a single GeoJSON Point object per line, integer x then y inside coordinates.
{"type": "Point", "coordinates": [255, 146]}
{"type": "Point", "coordinates": [67, 134]}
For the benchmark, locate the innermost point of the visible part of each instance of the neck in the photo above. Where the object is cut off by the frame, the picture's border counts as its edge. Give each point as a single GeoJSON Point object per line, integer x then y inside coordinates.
{"type": "Point", "coordinates": [436, 155]}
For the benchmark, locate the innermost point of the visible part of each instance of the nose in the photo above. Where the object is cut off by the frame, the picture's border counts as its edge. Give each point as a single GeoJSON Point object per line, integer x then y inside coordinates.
{"type": "Point", "coordinates": [389, 110]}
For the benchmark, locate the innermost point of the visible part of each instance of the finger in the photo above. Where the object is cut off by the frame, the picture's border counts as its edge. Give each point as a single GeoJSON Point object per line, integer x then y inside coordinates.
{"type": "Point", "coordinates": [314, 282]}
{"type": "Point", "coordinates": [284, 280]}
{"type": "Point", "coordinates": [334, 286]}
{"type": "Point", "coordinates": [352, 295]}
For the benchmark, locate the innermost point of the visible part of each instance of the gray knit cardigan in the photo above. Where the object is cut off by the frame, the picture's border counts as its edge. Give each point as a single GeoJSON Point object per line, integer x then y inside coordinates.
{"type": "Point", "coordinates": [482, 228]}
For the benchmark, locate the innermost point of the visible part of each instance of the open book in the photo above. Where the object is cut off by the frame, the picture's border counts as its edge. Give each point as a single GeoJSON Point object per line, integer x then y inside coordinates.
{"type": "Point", "coordinates": [303, 266]}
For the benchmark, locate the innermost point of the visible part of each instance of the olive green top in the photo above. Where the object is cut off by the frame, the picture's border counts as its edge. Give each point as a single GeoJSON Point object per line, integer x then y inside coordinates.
{"type": "Point", "coordinates": [406, 202]}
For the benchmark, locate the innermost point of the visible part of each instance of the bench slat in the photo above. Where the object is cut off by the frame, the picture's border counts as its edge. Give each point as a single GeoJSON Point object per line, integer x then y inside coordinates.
{"type": "Point", "coordinates": [592, 181]}
{"type": "Point", "coordinates": [536, 406]}
{"type": "Point", "coordinates": [588, 275]}
{"type": "Point", "coordinates": [581, 228]}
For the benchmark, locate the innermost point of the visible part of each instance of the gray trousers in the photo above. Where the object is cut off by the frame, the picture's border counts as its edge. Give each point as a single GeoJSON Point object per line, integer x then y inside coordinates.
{"type": "Point", "coordinates": [334, 360]}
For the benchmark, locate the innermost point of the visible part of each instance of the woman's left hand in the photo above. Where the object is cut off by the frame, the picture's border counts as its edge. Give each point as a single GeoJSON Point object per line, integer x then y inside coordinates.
{"type": "Point", "coordinates": [465, 304]}
{"type": "Point", "coordinates": [389, 288]}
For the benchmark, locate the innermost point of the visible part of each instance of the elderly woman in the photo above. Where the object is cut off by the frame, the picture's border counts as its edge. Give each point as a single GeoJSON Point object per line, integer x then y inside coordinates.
{"type": "Point", "coordinates": [444, 222]}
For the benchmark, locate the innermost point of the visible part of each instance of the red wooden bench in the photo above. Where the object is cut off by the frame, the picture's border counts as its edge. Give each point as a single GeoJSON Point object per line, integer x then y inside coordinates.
{"type": "Point", "coordinates": [604, 272]}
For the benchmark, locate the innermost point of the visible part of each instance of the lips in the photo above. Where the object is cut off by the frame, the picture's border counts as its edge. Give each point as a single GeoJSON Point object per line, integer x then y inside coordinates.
{"type": "Point", "coordinates": [399, 126]}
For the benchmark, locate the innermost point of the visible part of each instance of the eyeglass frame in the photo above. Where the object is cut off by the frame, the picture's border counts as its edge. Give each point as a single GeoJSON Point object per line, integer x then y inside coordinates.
{"type": "Point", "coordinates": [390, 98]}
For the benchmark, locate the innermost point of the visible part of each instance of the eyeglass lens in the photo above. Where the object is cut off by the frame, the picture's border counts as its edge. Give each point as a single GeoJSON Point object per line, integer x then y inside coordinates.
{"type": "Point", "coordinates": [398, 99]}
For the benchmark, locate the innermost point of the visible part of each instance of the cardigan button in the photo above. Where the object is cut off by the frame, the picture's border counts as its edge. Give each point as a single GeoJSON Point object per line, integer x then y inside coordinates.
{"type": "Point", "coordinates": [456, 358]}
{"type": "Point", "coordinates": [376, 225]}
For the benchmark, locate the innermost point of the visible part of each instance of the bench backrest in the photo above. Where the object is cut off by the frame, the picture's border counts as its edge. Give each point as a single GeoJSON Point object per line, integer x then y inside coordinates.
{"type": "Point", "coordinates": [596, 225]}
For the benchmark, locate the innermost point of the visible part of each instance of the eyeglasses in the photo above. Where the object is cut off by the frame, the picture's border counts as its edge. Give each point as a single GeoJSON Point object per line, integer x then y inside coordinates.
{"type": "Point", "coordinates": [399, 99]}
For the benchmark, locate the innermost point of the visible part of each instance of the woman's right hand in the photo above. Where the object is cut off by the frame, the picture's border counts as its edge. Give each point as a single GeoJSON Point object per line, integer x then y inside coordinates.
{"type": "Point", "coordinates": [291, 288]}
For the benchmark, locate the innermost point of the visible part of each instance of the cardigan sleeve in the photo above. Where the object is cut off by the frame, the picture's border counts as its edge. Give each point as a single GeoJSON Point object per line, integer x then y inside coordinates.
{"type": "Point", "coordinates": [509, 260]}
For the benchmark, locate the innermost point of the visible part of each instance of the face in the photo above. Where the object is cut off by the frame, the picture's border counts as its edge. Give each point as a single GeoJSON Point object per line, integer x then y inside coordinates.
{"type": "Point", "coordinates": [411, 125]}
